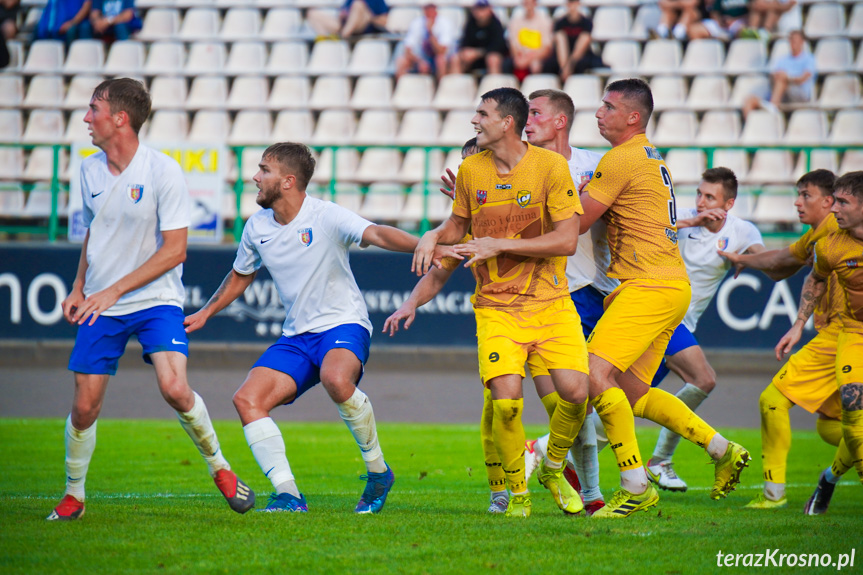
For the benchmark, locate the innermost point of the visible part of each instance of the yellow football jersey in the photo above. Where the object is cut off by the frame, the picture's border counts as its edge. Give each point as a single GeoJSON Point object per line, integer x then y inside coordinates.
{"type": "Point", "coordinates": [452, 263]}
{"type": "Point", "coordinates": [524, 203]}
{"type": "Point", "coordinates": [833, 303]}
{"type": "Point", "coordinates": [842, 253]}
{"type": "Point", "coordinates": [634, 182]}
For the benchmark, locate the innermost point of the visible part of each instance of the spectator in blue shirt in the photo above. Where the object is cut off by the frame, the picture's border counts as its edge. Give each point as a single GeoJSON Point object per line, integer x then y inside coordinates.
{"type": "Point", "coordinates": [114, 19]}
{"type": "Point", "coordinates": [64, 20]}
{"type": "Point", "coordinates": [792, 78]}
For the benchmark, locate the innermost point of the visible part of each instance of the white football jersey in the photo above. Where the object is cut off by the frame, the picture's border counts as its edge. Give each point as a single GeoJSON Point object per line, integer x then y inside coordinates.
{"type": "Point", "coordinates": [589, 264]}
{"type": "Point", "coordinates": [308, 260]}
{"type": "Point", "coordinates": [705, 267]}
{"type": "Point", "coordinates": [126, 215]}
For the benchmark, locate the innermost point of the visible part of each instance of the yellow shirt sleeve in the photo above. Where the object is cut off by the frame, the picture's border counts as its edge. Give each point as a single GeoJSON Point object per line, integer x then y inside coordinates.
{"type": "Point", "coordinates": [563, 201]}
{"type": "Point", "coordinates": [607, 183]}
{"type": "Point", "coordinates": [461, 204]}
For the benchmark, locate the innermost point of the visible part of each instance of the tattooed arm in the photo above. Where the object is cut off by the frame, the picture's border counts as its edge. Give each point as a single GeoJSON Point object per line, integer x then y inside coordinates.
{"type": "Point", "coordinates": [232, 287]}
{"type": "Point", "coordinates": [813, 291]}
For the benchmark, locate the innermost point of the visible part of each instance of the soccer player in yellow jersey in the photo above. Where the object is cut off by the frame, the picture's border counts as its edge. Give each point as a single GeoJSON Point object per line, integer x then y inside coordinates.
{"type": "Point", "coordinates": [523, 208]}
{"type": "Point", "coordinates": [808, 378]}
{"type": "Point", "coordinates": [633, 191]}
{"type": "Point", "coordinates": [840, 253]}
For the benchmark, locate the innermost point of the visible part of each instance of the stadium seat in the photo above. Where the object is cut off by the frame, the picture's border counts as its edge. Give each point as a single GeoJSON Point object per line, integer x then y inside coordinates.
{"type": "Point", "coordinates": [762, 128]}
{"type": "Point", "coordinates": [250, 157]}
{"type": "Point", "coordinates": [847, 127]}
{"type": "Point", "coordinates": [160, 24]}
{"type": "Point", "coordinates": [370, 56]}
{"type": "Point", "coordinates": [240, 23]}
{"type": "Point", "coordinates": [611, 23]}
{"type": "Point", "coordinates": [660, 56]}
{"type": "Point", "coordinates": [400, 18]}
{"type": "Point", "coordinates": [330, 92]}
{"type": "Point", "coordinates": [290, 92]}
{"type": "Point", "coordinates": [293, 126]}
{"type": "Point", "coordinates": [456, 128]}
{"type": "Point", "coordinates": [840, 91]}
{"type": "Point", "coordinates": [80, 91]}
{"type": "Point", "coordinates": [11, 91]}
{"type": "Point", "coordinates": [455, 92]}
{"type": "Point", "coordinates": [208, 93]}
{"type": "Point", "coordinates": [210, 126]}
{"type": "Point", "coordinates": [378, 164]}
{"type": "Point", "coordinates": [288, 58]}
{"type": "Point", "coordinates": [16, 56]}
{"type": "Point", "coordinates": [585, 133]}
{"type": "Point", "coordinates": [206, 58]}
{"type": "Point", "coordinates": [413, 168]}
{"type": "Point", "coordinates": [126, 57]}
{"type": "Point", "coordinates": [165, 58]}
{"type": "Point", "coordinates": [735, 160]}
{"type": "Point", "coordinates": [775, 204]}
{"type": "Point", "coordinates": [44, 127]}
{"type": "Point", "coordinates": [852, 161]}
{"type": "Point", "coordinates": [85, 56]}
{"type": "Point", "coordinates": [383, 202]}
{"type": "Point", "coordinates": [456, 15]}
{"type": "Point", "coordinates": [825, 19]}
{"type": "Point", "coordinates": [346, 161]}
{"type": "Point", "coordinates": [376, 127]}
{"type": "Point", "coordinates": [44, 57]}
{"type": "Point", "coordinates": [686, 166]}
{"type": "Point", "coordinates": [534, 82]}
{"type": "Point", "coordinates": [819, 159]}
{"type": "Point", "coordinates": [11, 167]}
{"type": "Point", "coordinates": [329, 57]}
{"type": "Point", "coordinates": [781, 49]}
{"type": "Point", "coordinates": [675, 128]}
{"type": "Point", "coordinates": [646, 19]}
{"type": "Point", "coordinates": [247, 58]}
{"type": "Point", "coordinates": [806, 128]}
{"type": "Point", "coordinates": [371, 92]}
{"type": "Point", "coordinates": [709, 93]}
{"type": "Point", "coordinates": [492, 81]}
{"type": "Point", "coordinates": [834, 55]}
{"type": "Point", "coordinates": [855, 23]}
{"type": "Point", "coordinates": [45, 92]}
{"type": "Point", "coordinates": [719, 128]}
{"type": "Point", "coordinates": [669, 92]}
{"type": "Point", "coordinates": [770, 167]}
{"type": "Point", "coordinates": [281, 23]}
{"type": "Point", "coordinates": [11, 197]}
{"type": "Point", "coordinates": [169, 92]}
{"type": "Point", "coordinates": [251, 127]}
{"type": "Point", "coordinates": [745, 86]}
{"type": "Point", "coordinates": [585, 91]}
{"type": "Point", "coordinates": [622, 56]}
{"type": "Point", "coordinates": [349, 196]}
{"type": "Point", "coordinates": [334, 128]}
{"type": "Point", "coordinates": [419, 128]}
{"type": "Point", "coordinates": [413, 91]}
{"type": "Point", "coordinates": [746, 56]}
{"type": "Point", "coordinates": [168, 126]}
{"type": "Point", "coordinates": [199, 24]}
{"type": "Point", "coordinates": [40, 164]}
{"type": "Point", "coordinates": [703, 56]}
{"type": "Point", "coordinates": [76, 129]}
{"type": "Point", "coordinates": [248, 92]}
{"type": "Point", "coordinates": [39, 201]}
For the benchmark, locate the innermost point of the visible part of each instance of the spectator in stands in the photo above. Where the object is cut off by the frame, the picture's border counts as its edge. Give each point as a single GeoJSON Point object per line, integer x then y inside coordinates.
{"type": "Point", "coordinates": [355, 17]}
{"type": "Point", "coordinates": [722, 19]}
{"type": "Point", "coordinates": [677, 16]}
{"type": "Point", "coordinates": [764, 15]}
{"type": "Point", "coordinates": [9, 18]}
{"type": "Point", "coordinates": [429, 44]}
{"type": "Point", "coordinates": [573, 54]}
{"type": "Point", "coordinates": [65, 20]}
{"type": "Point", "coordinates": [792, 78]}
{"type": "Point", "coordinates": [530, 40]}
{"type": "Point", "coordinates": [482, 44]}
{"type": "Point", "coordinates": [114, 19]}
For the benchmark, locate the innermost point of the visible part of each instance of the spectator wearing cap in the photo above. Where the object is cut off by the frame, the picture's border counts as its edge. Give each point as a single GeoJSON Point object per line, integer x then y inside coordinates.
{"type": "Point", "coordinates": [530, 40]}
{"type": "Point", "coordinates": [482, 44]}
{"type": "Point", "coordinates": [573, 54]}
{"type": "Point", "coordinates": [114, 19]}
{"type": "Point", "coordinates": [355, 17]}
{"type": "Point", "coordinates": [429, 44]}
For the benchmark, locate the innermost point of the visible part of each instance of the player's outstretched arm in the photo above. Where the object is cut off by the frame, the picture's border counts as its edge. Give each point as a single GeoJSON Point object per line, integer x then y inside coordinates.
{"type": "Point", "coordinates": [427, 288]}
{"type": "Point", "coordinates": [813, 290]}
{"type": "Point", "coordinates": [170, 255]}
{"type": "Point", "coordinates": [76, 296]}
{"type": "Point", "coordinates": [561, 241]}
{"type": "Point", "coordinates": [448, 233]}
{"type": "Point", "coordinates": [232, 286]}
{"type": "Point", "coordinates": [711, 215]}
{"type": "Point", "coordinates": [593, 210]}
{"type": "Point", "coordinates": [777, 264]}
{"type": "Point", "coordinates": [389, 238]}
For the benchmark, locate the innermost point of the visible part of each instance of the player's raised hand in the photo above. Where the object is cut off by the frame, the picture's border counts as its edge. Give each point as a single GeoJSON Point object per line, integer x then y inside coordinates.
{"type": "Point", "coordinates": [735, 259]}
{"type": "Point", "coordinates": [424, 253]}
{"type": "Point", "coordinates": [789, 340]}
{"type": "Point", "coordinates": [93, 306]}
{"type": "Point", "coordinates": [480, 249]}
{"type": "Point", "coordinates": [407, 312]}
{"type": "Point", "coordinates": [71, 303]}
{"type": "Point", "coordinates": [448, 180]}
{"type": "Point", "coordinates": [711, 215]}
{"type": "Point", "coordinates": [196, 321]}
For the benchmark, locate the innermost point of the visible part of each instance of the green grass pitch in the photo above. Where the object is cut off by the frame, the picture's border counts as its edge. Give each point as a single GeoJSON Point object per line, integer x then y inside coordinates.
{"type": "Point", "coordinates": [152, 508]}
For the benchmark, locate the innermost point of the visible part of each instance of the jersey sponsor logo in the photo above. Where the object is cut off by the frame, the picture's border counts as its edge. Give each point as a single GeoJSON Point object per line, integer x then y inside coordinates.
{"type": "Point", "coordinates": [671, 235]}
{"type": "Point", "coordinates": [852, 263]}
{"type": "Point", "coordinates": [721, 243]}
{"type": "Point", "coordinates": [523, 198]}
{"type": "Point", "coordinates": [481, 197]}
{"type": "Point", "coordinates": [503, 186]}
{"type": "Point", "coordinates": [135, 192]}
{"type": "Point", "coordinates": [306, 236]}
{"type": "Point", "coordinates": [652, 153]}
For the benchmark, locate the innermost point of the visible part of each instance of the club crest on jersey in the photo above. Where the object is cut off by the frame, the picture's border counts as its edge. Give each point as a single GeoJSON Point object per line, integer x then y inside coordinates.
{"type": "Point", "coordinates": [135, 192]}
{"type": "Point", "coordinates": [722, 243]}
{"type": "Point", "coordinates": [523, 198]}
{"type": "Point", "coordinates": [306, 236]}
{"type": "Point", "coordinates": [481, 196]}
{"type": "Point", "coordinates": [852, 263]}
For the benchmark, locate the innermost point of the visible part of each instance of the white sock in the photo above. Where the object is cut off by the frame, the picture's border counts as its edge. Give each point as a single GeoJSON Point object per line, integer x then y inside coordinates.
{"type": "Point", "coordinates": [668, 440]}
{"type": "Point", "coordinates": [496, 494]}
{"type": "Point", "coordinates": [634, 480]}
{"type": "Point", "coordinates": [552, 464]}
{"type": "Point", "coordinates": [599, 430]}
{"type": "Point", "coordinates": [774, 491]}
{"type": "Point", "coordinates": [662, 30]}
{"type": "Point", "coordinates": [197, 424]}
{"type": "Point", "coordinates": [358, 415]}
{"type": "Point", "coordinates": [717, 446]}
{"type": "Point", "coordinates": [80, 445]}
{"type": "Point", "coordinates": [541, 445]}
{"type": "Point", "coordinates": [268, 447]}
{"type": "Point", "coordinates": [586, 462]}
{"type": "Point", "coordinates": [679, 31]}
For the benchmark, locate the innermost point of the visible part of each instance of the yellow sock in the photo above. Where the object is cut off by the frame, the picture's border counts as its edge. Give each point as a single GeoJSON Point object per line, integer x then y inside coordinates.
{"type": "Point", "coordinates": [493, 468]}
{"type": "Point", "coordinates": [668, 411]}
{"type": "Point", "coordinates": [852, 432]}
{"type": "Point", "coordinates": [508, 434]}
{"type": "Point", "coordinates": [830, 430]}
{"type": "Point", "coordinates": [613, 409]}
{"type": "Point", "coordinates": [842, 461]}
{"type": "Point", "coordinates": [549, 402]}
{"type": "Point", "coordinates": [775, 433]}
{"type": "Point", "coordinates": [564, 426]}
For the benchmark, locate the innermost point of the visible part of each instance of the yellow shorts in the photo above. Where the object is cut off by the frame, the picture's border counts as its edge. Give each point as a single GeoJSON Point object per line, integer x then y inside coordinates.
{"type": "Point", "coordinates": [536, 365]}
{"type": "Point", "coordinates": [849, 358]}
{"type": "Point", "coordinates": [506, 338]}
{"type": "Point", "coordinates": [808, 378]}
{"type": "Point", "coordinates": [639, 318]}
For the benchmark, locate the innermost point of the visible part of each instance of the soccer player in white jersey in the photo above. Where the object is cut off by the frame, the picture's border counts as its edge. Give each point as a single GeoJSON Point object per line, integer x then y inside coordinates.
{"type": "Point", "coordinates": [136, 209]}
{"type": "Point", "coordinates": [304, 243]}
{"type": "Point", "coordinates": [711, 228]}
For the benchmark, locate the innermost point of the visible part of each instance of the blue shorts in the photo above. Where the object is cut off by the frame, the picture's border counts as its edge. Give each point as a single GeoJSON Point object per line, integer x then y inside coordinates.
{"type": "Point", "coordinates": [301, 356]}
{"type": "Point", "coordinates": [98, 347]}
{"type": "Point", "coordinates": [588, 303]}
{"type": "Point", "coordinates": [681, 339]}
